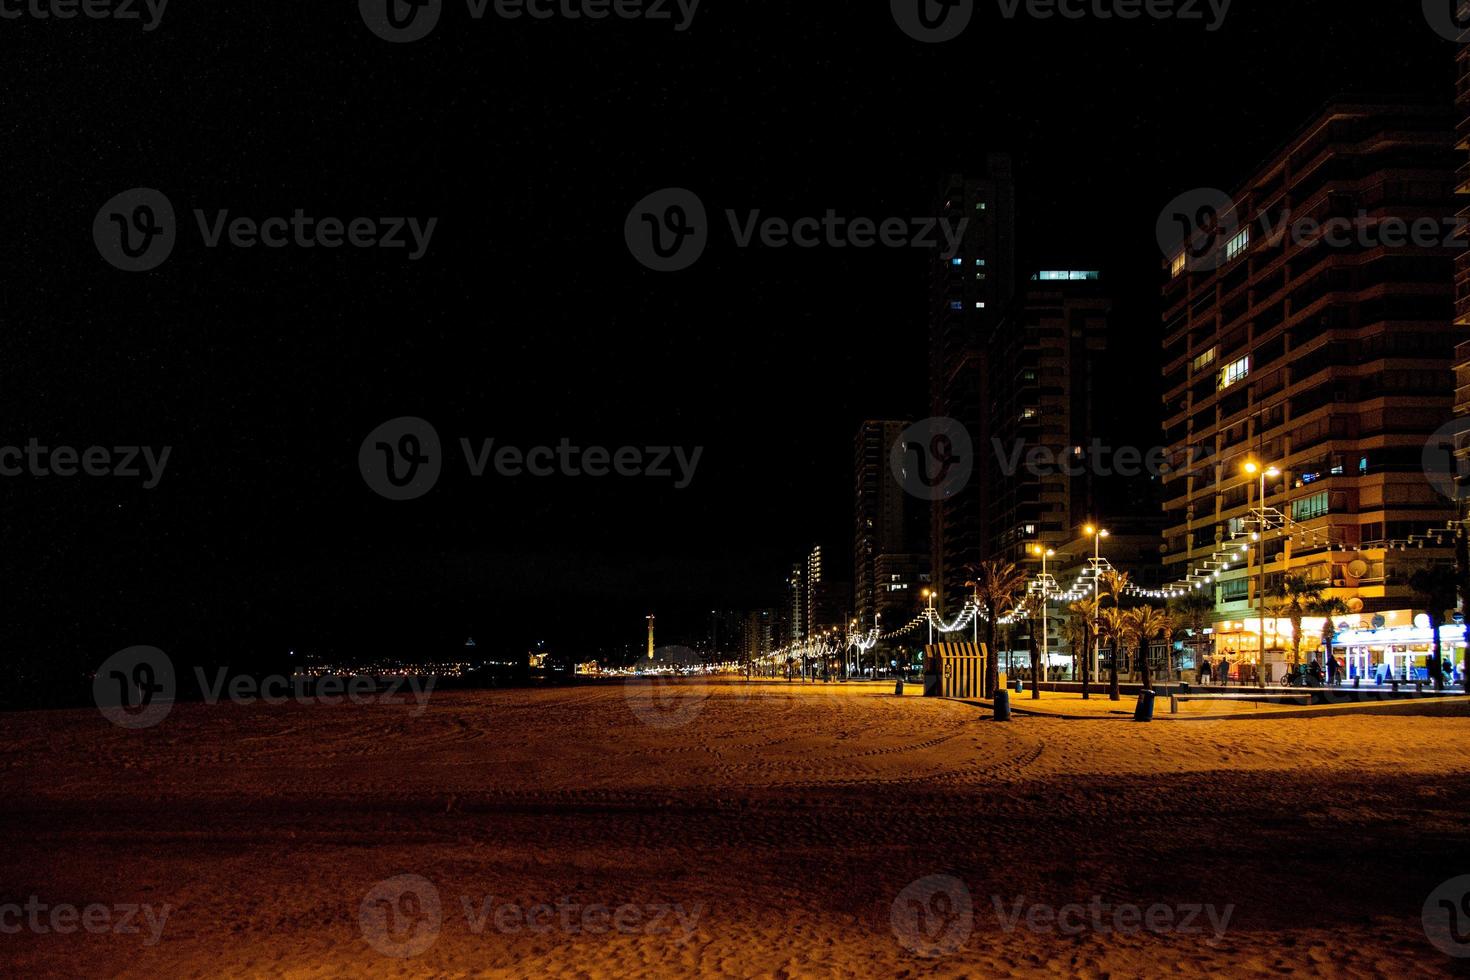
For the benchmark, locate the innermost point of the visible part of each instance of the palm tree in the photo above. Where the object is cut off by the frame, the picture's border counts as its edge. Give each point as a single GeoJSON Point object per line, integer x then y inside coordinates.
{"type": "Point", "coordinates": [1114, 584]}
{"type": "Point", "coordinates": [1078, 631]}
{"type": "Point", "coordinates": [1083, 611]}
{"type": "Point", "coordinates": [1437, 585]}
{"type": "Point", "coordinates": [1034, 612]}
{"type": "Point", "coordinates": [997, 585]}
{"type": "Point", "coordinates": [1295, 595]}
{"type": "Point", "coordinates": [1111, 625]}
{"type": "Point", "coordinates": [1142, 625]}
{"type": "Point", "coordinates": [1329, 608]}
{"type": "Point", "coordinates": [1193, 611]}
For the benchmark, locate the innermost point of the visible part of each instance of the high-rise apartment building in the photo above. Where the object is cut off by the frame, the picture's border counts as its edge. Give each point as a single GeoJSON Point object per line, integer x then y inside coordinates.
{"type": "Point", "coordinates": [889, 522]}
{"type": "Point", "coordinates": [1047, 452]}
{"type": "Point", "coordinates": [968, 290]}
{"type": "Point", "coordinates": [1313, 337]}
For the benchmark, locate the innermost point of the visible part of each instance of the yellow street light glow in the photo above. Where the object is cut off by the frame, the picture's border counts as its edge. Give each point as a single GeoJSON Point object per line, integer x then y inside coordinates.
{"type": "Point", "coordinates": [1252, 467]}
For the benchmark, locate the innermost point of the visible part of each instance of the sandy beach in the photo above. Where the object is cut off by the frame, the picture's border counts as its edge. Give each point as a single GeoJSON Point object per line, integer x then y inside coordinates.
{"type": "Point", "coordinates": [723, 829]}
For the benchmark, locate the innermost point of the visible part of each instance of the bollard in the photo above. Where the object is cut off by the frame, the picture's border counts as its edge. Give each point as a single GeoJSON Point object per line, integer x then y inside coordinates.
{"type": "Point", "coordinates": [1020, 686]}
{"type": "Point", "coordinates": [898, 688]}
{"type": "Point", "coordinates": [1356, 681]}
{"type": "Point", "coordinates": [1418, 687]}
{"type": "Point", "coordinates": [1145, 709]}
{"type": "Point", "coordinates": [1173, 705]}
{"type": "Point", "coordinates": [1002, 705]}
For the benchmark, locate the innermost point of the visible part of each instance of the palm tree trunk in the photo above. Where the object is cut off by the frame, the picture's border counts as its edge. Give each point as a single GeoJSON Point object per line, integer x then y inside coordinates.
{"type": "Point", "coordinates": [1113, 694]}
{"type": "Point", "coordinates": [992, 667]}
{"type": "Point", "coordinates": [1086, 674]}
{"type": "Point", "coordinates": [1143, 674]}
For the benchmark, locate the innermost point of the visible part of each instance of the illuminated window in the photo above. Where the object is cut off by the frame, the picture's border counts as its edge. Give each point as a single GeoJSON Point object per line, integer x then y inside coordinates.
{"type": "Point", "coordinates": [979, 306]}
{"type": "Point", "coordinates": [980, 262]}
{"type": "Point", "coordinates": [957, 261]}
{"type": "Point", "coordinates": [1237, 244]}
{"type": "Point", "coordinates": [981, 206]}
{"type": "Point", "coordinates": [1067, 275]}
{"type": "Point", "coordinates": [1176, 268]}
{"type": "Point", "coordinates": [1028, 413]}
{"type": "Point", "coordinates": [1235, 371]}
{"type": "Point", "coordinates": [957, 305]}
{"type": "Point", "coordinates": [1205, 359]}
{"type": "Point", "coordinates": [1309, 507]}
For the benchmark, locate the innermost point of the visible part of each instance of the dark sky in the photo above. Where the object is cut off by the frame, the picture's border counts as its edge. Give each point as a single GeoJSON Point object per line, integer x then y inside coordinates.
{"type": "Point", "coordinates": [528, 320]}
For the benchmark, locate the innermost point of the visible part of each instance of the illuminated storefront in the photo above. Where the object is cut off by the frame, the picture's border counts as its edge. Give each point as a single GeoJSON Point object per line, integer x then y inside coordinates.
{"type": "Point", "coordinates": [1395, 644]}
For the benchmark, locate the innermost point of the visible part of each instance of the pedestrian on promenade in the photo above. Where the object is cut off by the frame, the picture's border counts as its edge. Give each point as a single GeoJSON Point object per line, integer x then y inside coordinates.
{"type": "Point", "coordinates": [1204, 670]}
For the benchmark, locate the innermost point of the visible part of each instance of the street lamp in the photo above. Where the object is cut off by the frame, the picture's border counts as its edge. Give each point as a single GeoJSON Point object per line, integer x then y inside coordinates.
{"type": "Point", "coordinates": [929, 596]}
{"type": "Point", "coordinates": [1096, 534]}
{"type": "Point", "coordinates": [1253, 468]}
{"type": "Point", "coordinates": [1044, 553]}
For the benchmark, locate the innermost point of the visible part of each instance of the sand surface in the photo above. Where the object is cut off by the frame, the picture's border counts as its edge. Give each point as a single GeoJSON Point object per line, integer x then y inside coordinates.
{"type": "Point", "coordinates": [692, 828]}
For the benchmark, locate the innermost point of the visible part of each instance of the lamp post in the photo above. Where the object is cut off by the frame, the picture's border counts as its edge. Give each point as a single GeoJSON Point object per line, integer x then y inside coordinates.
{"type": "Point", "coordinates": [929, 596]}
{"type": "Point", "coordinates": [1097, 534]}
{"type": "Point", "coordinates": [1045, 553]}
{"type": "Point", "coordinates": [1045, 644]}
{"type": "Point", "coordinates": [1252, 468]}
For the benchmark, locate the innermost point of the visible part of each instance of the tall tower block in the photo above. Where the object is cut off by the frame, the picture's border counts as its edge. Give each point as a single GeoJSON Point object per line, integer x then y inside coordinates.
{"type": "Point", "coordinates": [650, 636]}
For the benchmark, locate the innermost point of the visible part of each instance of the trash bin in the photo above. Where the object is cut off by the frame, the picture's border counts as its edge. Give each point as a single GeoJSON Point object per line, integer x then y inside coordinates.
{"type": "Point", "coordinates": [1002, 705]}
{"type": "Point", "coordinates": [898, 688]}
{"type": "Point", "coordinates": [1020, 686]}
{"type": "Point", "coordinates": [1145, 709]}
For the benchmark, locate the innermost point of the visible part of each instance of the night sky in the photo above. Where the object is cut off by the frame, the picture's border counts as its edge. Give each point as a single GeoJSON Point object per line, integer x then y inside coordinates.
{"type": "Point", "coordinates": [527, 320]}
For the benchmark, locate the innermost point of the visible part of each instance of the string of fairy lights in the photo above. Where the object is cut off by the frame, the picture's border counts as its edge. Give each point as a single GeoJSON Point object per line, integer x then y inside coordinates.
{"type": "Point", "coordinates": [1087, 582]}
